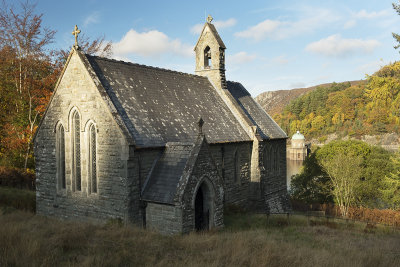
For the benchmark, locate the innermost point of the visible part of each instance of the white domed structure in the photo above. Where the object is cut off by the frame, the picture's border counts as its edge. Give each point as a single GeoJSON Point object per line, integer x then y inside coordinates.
{"type": "Point", "coordinates": [298, 136]}
{"type": "Point", "coordinates": [298, 149]}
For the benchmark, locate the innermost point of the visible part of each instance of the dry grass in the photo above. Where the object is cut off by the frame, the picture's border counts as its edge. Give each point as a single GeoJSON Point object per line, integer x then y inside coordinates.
{"type": "Point", "coordinates": [32, 240]}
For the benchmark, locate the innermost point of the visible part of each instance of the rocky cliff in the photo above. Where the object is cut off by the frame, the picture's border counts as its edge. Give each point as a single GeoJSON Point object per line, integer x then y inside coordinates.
{"type": "Point", "coordinates": [275, 101]}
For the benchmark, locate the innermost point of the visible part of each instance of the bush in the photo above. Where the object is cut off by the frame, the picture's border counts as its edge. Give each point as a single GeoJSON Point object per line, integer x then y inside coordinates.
{"type": "Point", "coordinates": [17, 178]}
{"type": "Point", "coordinates": [18, 199]}
{"type": "Point", "coordinates": [384, 216]}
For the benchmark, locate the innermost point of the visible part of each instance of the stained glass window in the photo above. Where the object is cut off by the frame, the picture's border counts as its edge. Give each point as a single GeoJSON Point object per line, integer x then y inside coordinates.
{"type": "Point", "coordinates": [77, 150]}
{"type": "Point", "coordinates": [236, 167]}
{"type": "Point", "coordinates": [92, 159]}
{"type": "Point", "coordinates": [61, 156]}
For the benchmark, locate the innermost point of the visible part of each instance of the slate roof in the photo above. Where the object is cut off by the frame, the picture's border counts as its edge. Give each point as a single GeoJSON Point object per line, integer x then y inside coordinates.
{"type": "Point", "coordinates": [160, 106]}
{"type": "Point", "coordinates": [162, 184]}
{"type": "Point", "coordinates": [267, 127]}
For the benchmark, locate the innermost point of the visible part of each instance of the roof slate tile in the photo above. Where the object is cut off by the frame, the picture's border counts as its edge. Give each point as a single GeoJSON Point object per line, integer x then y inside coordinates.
{"type": "Point", "coordinates": [160, 106]}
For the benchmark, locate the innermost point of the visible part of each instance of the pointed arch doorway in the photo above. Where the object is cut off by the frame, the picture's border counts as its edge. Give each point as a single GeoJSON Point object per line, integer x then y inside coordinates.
{"type": "Point", "coordinates": [203, 207]}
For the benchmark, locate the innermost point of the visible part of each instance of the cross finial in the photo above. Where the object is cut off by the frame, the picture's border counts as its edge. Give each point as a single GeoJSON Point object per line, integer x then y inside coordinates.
{"type": "Point", "coordinates": [200, 123]}
{"type": "Point", "coordinates": [76, 32]}
{"type": "Point", "coordinates": [209, 19]}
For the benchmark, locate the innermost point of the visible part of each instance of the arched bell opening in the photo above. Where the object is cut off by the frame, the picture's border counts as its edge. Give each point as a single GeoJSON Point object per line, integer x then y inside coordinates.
{"type": "Point", "coordinates": [207, 58]}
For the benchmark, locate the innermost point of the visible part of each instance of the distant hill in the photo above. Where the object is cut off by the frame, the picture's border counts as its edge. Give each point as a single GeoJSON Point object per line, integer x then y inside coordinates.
{"type": "Point", "coordinates": [275, 101]}
{"type": "Point", "coordinates": [356, 109]}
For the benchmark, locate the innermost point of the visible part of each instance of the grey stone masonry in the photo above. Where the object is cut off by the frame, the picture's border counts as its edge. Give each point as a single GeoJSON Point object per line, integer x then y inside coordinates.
{"type": "Point", "coordinates": [76, 91]}
{"type": "Point", "coordinates": [166, 219]}
{"type": "Point", "coordinates": [273, 176]}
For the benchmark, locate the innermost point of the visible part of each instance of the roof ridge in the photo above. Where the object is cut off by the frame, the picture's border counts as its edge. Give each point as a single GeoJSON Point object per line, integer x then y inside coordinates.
{"type": "Point", "coordinates": [144, 66]}
{"type": "Point", "coordinates": [233, 82]}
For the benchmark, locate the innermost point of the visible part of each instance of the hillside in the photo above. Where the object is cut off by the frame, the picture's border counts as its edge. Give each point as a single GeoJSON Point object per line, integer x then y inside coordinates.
{"type": "Point", "coordinates": [275, 101]}
{"type": "Point", "coordinates": [349, 110]}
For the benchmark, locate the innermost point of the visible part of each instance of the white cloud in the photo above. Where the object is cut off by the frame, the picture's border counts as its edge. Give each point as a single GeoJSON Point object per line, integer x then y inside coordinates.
{"type": "Point", "coordinates": [371, 67]}
{"type": "Point", "coordinates": [263, 29]}
{"type": "Point", "coordinates": [288, 78]}
{"type": "Point", "coordinates": [350, 24]}
{"type": "Point", "coordinates": [151, 43]}
{"type": "Point", "coordinates": [336, 46]}
{"type": "Point", "coordinates": [279, 29]}
{"type": "Point", "coordinates": [322, 79]}
{"type": "Point", "coordinates": [92, 19]}
{"type": "Point", "coordinates": [281, 60]}
{"type": "Point", "coordinates": [219, 24]}
{"type": "Point", "coordinates": [363, 14]}
{"type": "Point", "coordinates": [297, 85]}
{"type": "Point", "coordinates": [240, 58]}
{"type": "Point", "coordinates": [196, 29]}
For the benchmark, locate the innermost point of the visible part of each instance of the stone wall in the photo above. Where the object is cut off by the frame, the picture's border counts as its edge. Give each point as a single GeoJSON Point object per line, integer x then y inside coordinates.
{"type": "Point", "coordinates": [77, 91]}
{"type": "Point", "coordinates": [273, 176]}
{"type": "Point", "coordinates": [166, 219]}
{"type": "Point", "coordinates": [139, 167]}
{"type": "Point", "coordinates": [236, 191]}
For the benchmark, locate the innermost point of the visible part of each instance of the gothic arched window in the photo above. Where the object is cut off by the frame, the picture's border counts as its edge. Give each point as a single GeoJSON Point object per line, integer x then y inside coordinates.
{"type": "Point", "coordinates": [60, 157]}
{"type": "Point", "coordinates": [278, 158]}
{"type": "Point", "coordinates": [92, 160]}
{"type": "Point", "coordinates": [207, 57]}
{"type": "Point", "coordinates": [236, 167]}
{"type": "Point", "coordinates": [267, 159]}
{"type": "Point", "coordinates": [76, 150]}
{"type": "Point", "coordinates": [273, 160]}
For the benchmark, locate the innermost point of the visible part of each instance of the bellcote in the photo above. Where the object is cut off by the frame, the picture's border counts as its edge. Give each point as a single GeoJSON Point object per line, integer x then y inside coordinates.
{"type": "Point", "coordinates": [210, 55]}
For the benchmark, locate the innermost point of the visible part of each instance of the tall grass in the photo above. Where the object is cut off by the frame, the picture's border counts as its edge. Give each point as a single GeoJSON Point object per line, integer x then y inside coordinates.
{"type": "Point", "coordinates": [247, 240]}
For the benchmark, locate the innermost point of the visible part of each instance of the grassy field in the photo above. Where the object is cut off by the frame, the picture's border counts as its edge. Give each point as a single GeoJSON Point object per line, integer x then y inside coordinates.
{"type": "Point", "coordinates": [247, 240]}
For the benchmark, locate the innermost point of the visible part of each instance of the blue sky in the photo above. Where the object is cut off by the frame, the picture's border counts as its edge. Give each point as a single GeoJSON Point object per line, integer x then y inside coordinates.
{"type": "Point", "coordinates": [271, 45]}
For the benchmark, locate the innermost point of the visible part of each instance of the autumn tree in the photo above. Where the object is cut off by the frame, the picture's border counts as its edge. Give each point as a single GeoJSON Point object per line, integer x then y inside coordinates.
{"type": "Point", "coordinates": [28, 74]}
{"type": "Point", "coordinates": [98, 46]}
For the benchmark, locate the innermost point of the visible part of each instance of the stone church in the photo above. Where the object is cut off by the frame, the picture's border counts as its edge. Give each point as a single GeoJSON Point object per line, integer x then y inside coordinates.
{"type": "Point", "coordinates": [157, 148]}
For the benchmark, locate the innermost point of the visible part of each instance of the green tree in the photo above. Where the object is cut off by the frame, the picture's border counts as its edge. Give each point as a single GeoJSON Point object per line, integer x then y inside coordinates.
{"type": "Point", "coordinates": [390, 187]}
{"type": "Point", "coordinates": [312, 184]}
{"type": "Point", "coordinates": [395, 35]}
{"type": "Point", "coordinates": [373, 173]}
{"type": "Point", "coordinates": [344, 171]}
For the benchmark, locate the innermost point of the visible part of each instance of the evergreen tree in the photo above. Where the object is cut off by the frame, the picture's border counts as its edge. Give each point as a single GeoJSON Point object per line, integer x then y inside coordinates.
{"type": "Point", "coordinates": [395, 35]}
